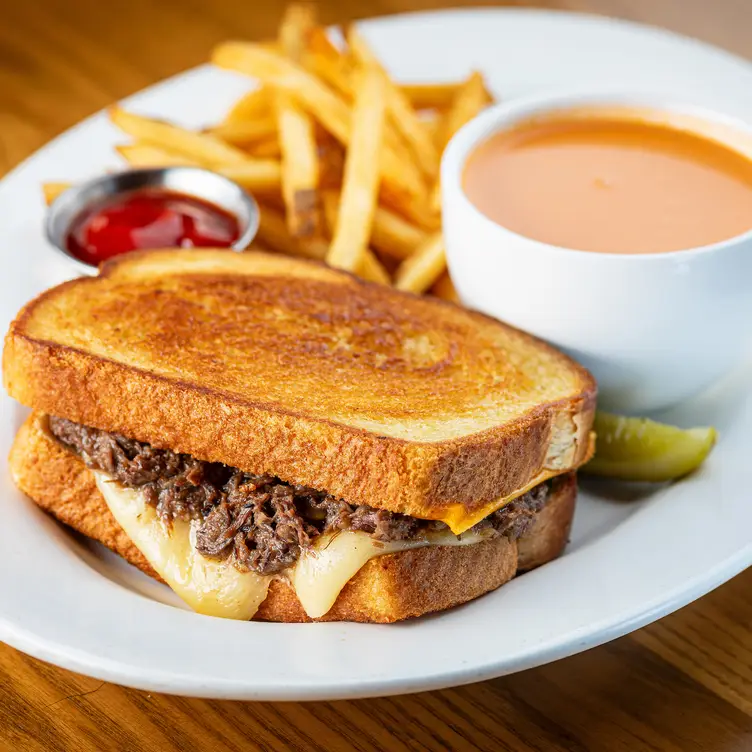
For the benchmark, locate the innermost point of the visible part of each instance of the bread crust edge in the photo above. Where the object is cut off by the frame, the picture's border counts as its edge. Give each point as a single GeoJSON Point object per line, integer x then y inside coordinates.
{"type": "Point", "coordinates": [422, 479]}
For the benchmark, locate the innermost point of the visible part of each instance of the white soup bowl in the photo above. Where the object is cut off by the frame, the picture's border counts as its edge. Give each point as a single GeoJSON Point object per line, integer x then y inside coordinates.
{"type": "Point", "coordinates": [655, 328]}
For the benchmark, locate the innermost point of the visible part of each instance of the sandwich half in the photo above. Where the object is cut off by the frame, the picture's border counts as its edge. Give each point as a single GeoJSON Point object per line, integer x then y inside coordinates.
{"type": "Point", "coordinates": [278, 440]}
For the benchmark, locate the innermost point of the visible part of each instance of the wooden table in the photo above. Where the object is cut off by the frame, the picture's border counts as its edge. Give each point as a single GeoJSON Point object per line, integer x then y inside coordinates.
{"type": "Point", "coordinates": [684, 683]}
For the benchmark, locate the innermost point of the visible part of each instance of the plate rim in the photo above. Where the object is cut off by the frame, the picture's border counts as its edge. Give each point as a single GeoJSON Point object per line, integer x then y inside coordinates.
{"type": "Point", "coordinates": [188, 685]}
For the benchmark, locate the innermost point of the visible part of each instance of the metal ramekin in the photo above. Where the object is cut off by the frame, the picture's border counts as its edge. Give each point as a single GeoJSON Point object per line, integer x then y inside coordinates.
{"type": "Point", "coordinates": [192, 181]}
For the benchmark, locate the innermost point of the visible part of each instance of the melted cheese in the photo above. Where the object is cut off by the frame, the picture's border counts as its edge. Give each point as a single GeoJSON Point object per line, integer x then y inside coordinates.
{"type": "Point", "coordinates": [459, 519]}
{"type": "Point", "coordinates": [558, 460]}
{"type": "Point", "coordinates": [324, 570]}
{"type": "Point", "coordinates": [217, 588]}
{"type": "Point", "coordinates": [209, 587]}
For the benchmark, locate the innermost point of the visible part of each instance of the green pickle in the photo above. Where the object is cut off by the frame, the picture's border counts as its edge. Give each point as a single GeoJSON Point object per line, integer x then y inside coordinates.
{"type": "Point", "coordinates": [639, 449]}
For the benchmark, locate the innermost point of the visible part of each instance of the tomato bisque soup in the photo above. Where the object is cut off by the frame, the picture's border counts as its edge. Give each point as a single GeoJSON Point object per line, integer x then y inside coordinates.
{"type": "Point", "coordinates": [610, 183]}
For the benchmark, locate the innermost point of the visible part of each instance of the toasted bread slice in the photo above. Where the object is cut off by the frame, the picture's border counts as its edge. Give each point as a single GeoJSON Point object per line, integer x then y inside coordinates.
{"type": "Point", "coordinates": [388, 588]}
{"type": "Point", "coordinates": [278, 365]}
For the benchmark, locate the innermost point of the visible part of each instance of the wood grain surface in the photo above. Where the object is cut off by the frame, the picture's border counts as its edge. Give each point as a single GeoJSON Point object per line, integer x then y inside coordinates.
{"type": "Point", "coordinates": [684, 683]}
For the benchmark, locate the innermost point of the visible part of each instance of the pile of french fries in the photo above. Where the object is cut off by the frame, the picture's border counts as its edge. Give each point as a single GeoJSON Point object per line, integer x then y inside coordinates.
{"type": "Point", "coordinates": [343, 161]}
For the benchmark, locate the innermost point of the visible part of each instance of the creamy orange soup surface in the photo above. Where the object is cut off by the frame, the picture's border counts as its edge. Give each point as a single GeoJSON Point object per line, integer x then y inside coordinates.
{"type": "Point", "coordinates": [610, 184]}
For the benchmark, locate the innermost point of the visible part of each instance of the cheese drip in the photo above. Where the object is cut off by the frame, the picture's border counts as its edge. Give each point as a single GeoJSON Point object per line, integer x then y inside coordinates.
{"type": "Point", "coordinates": [217, 588]}
{"type": "Point", "coordinates": [322, 572]}
{"type": "Point", "coordinates": [214, 588]}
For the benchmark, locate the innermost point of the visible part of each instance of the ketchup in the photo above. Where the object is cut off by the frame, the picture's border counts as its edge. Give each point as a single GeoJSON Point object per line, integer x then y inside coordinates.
{"type": "Point", "coordinates": [149, 218]}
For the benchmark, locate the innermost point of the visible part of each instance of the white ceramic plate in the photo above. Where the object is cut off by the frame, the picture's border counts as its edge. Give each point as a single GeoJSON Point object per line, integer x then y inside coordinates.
{"type": "Point", "coordinates": [66, 600]}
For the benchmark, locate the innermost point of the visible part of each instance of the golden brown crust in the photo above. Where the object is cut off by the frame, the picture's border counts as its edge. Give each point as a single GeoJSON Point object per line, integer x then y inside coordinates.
{"type": "Point", "coordinates": [203, 411]}
{"type": "Point", "coordinates": [386, 589]}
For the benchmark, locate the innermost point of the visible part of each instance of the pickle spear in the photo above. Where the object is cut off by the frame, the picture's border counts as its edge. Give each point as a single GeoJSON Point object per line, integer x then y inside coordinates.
{"type": "Point", "coordinates": [639, 449]}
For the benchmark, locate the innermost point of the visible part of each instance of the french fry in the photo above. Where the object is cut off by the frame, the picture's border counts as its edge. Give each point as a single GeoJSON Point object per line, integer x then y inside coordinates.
{"type": "Point", "coordinates": [51, 191]}
{"type": "Point", "coordinates": [298, 21]}
{"type": "Point", "coordinates": [434, 96]}
{"type": "Point", "coordinates": [468, 101]}
{"type": "Point", "coordinates": [444, 288]}
{"type": "Point", "coordinates": [323, 103]}
{"type": "Point", "coordinates": [430, 96]}
{"type": "Point", "coordinates": [330, 205]}
{"type": "Point", "coordinates": [254, 175]}
{"type": "Point", "coordinates": [273, 234]}
{"type": "Point", "coordinates": [270, 44]}
{"type": "Point", "coordinates": [435, 200]}
{"type": "Point", "coordinates": [255, 104]}
{"type": "Point", "coordinates": [277, 71]}
{"type": "Point", "coordinates": [203, 147]}
{"type": "Point", "coordinates": [260, 175]}
{"type": "Point", "coordinates": [242, 133]}
{"type": "Point", "coordinates": [424, 267]}
{"type": "Point", "coordinates": [269, 148]}
{"type": "Point", "coordinates": [140, 154]}
{"type": "Point", "coordinates": [324, 60]}
{"type": "Point", "coordinates": [329, 64]}
{"type": "Point", "coordinates": [319, 42]}
{"type": "Point", "coordinates": [300, 173]}
{"type": "Point", "coordinates": [402, 116]}
{"type": "Point", "coordinates": [371, 268]}
{"type": "Point", "coordinates": [418, 210]}
{"type": "Point", "coordinates": [361, 180]}
{"type": "Point", "coordinates": [335, 73]}
{"type": "Point", "coordinates": [395, 236]}
{"type": "Point", "coordinates": [300, 167]}
{"type": "Point", "coordinates": [391, 234]}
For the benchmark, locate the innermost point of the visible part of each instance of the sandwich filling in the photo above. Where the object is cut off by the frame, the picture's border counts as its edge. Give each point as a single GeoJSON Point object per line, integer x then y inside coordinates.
{"type": "Point", "coordinates": [259, 523]}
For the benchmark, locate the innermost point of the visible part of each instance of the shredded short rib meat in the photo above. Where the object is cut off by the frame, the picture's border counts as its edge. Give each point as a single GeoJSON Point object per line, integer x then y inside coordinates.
{"type": "Point", "coordinates": [258, 522]}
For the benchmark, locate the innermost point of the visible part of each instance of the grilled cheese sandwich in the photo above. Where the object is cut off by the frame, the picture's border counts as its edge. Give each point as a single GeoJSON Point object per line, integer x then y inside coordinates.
{"type": "Point", "coordinates": [268, 435]}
